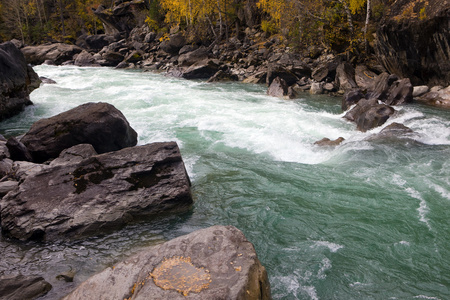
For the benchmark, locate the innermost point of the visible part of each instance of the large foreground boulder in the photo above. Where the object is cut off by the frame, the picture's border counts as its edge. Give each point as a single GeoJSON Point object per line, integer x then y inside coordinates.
{"type": "Point", "coordinates": [17, 80]}
{"type": "Point", "coordinates": [212, 263]}
{"type": "Point", "coordinates": [99, 124]}
{"type": "Point", "coordinates": [72, 199]}
{"type": "Point", "coordinates": [56, 53]}
{"type": "Point", "coordinates": [23, 287]}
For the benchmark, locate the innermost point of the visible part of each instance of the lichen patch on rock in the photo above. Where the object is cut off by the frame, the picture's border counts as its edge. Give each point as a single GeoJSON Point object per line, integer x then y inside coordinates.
{"type": "Point", "coordinates": [178, 273]}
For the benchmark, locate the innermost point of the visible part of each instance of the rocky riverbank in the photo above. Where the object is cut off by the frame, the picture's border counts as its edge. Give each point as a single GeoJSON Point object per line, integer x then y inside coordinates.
{"type": "Point", "coordinates": [254, 57]}
{"type": "Point", "coordinates": [79, 174]}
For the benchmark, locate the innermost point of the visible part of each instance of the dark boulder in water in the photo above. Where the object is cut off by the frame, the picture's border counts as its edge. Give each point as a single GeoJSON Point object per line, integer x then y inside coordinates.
{"type": "Point", "coordinates": [73, 198]}
{"type": "Point", "coordinates": [99, 124]}
{"type": "Point", "coordinates": [368, 114]}
{"type": "Point", "coordinates": [17, 80]}
{"type": "Point", "coordinates": [213, 263]}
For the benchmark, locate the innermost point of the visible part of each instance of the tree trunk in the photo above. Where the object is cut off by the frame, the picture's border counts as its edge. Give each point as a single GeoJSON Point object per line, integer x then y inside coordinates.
{"type": "Point", "coordinates": [349, 17]}
{"type": "Point", "coordinates": [366, 26]}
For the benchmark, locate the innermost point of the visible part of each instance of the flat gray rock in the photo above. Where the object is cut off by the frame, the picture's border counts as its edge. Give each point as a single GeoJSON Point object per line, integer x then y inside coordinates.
{"type": "Point", "coordinates": [213, 263]}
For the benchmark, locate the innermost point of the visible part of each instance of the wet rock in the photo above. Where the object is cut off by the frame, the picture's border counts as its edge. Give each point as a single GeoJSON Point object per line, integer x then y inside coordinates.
{"type": "Point", "coordinates": [257, 78]}
{"type": "Point", "coordinates": [222, 76]}
{"type": "Point", "coordinates": [133, 57]}
{"type": "Point", "coordinates": [85, 59]}
{"type": "Point", "coordinates": [173, 44]}
{"type": "Point", "coordinates": [351, 98]}
{"type": "Point", "coordinates": [275, 71]}
{"type": "Point", "coordinates": [19, 287]}
{"type": "Point", "coordinates": [6, 166]}
{"type": "Point", "coordinates": [112, 58]}
{"type": "Point", "coordinates": [17, 80]}
{"type": "Point", "coordinates": [394, 131]}
{"type": "Point", "coordinates": [216, 263]}
{"type": "Point", "coordinates": [316, 88]}
{"type": "Point", "coordinates": [201, 70]}
{"type": "Point", "coordinates": [373, 116]}
{"type": "Point", "coordinates": [400, 92]}
{"type": "Point", "coordinates": [364, 78]}
{"type": "Point", "coordinates": [67, 276]}
{"type": "Point", "coordinates": [7, 186]}
{"type": "Point", "coordinates": [95, 42]}
{"type": "Point", "coordinates": [97, 195]}
{"type": "Point", "coordinates": [17, 150]}
{"type": "Point", "coordinates": [4, 152]}
{"type": "Point", "coordinates": [362, 106]}
{"type": "Point", "coordinates": [437, 97]}
{"type": "Point", "coordinates": [326, 142]}
{"type": "Point", "coordinates": [329, 87]}
{"type": "Point", "coordinates": [46, 80]}
{"type": "Point", "coordinates": [74, 154]}
{"type": "Point", "coordinates": [98, 124]}
{"type": "Point", "coordinates": [420, 90]}
{"type": "Point", "coordinates": [57, 53]}
{"type": "Point", "coordinates": [192, 57]}
{"type": "Point", "coordinates": [278, 88]}
{"type": "Point", "coordinates": [345, 77]}
{"type": "Point", "coordinates": [381, 86]}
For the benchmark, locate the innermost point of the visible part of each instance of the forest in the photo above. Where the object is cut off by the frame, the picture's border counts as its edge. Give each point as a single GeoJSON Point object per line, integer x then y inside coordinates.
{"type": "Point", "coordinates": [338, 25]}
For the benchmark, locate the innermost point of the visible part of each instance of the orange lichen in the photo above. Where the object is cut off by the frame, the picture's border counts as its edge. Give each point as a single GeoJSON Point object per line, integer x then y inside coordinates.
{"type": "Point", "coordinates": [178, 273]}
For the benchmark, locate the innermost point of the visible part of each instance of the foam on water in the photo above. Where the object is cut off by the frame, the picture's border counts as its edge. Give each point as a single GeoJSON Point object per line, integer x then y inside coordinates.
{"type": "Point", "coordinates": [344, 222]}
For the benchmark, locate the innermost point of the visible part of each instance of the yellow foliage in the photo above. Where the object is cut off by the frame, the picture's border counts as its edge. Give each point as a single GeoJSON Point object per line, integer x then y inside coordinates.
{"type": "Point", "coordinates": [356, 5]}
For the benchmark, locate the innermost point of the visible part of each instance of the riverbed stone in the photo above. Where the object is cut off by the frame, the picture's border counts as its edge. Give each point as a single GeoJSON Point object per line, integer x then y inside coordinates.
{"type": "Point", "coordinates": [99, 194]}
{"type": "Point", "coordinates": [99, 124]}
{"type": "Point", "coordinates": [213, 263]}
{"type": "Point", "coordinates": [278, 88]}
{"type": "Point", "coordinates": [20, 287]}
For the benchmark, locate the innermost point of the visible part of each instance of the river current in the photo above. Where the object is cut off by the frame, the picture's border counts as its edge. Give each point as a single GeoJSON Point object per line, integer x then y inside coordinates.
{"type": "Point", "coordinates": [364, 220]}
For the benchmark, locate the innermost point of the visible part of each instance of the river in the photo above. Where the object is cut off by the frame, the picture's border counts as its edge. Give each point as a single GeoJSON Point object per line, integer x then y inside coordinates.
{"type": "Point", "coordinates": [363, 220]}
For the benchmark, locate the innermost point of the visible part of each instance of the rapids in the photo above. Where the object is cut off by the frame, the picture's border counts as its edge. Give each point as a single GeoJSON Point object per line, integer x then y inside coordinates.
{"type": "Point", "coordinates": [363, 220]}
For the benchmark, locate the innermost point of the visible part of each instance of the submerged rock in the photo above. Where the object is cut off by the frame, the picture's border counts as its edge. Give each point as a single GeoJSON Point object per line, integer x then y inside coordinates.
{"type": "Point", "coordinates": [99, 124]}
{"type": "Point", "coordinates": [213, 263]}
{"type": "Point", "coordinates": [98, 194]}
{"type": "Point", "coordinates": [21, 287]}
{"type": "Point", "coordinates": [327, 142]}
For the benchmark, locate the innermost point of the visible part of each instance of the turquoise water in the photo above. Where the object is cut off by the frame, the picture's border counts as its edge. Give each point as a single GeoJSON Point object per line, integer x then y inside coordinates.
{"type": "Point", "coordinates": [364, 220]}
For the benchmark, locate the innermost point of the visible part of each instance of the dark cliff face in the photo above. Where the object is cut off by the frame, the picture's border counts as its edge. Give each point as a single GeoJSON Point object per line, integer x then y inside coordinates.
{"type": "Point", "coordinates": [413, 41]}
{"type": "Point", "coordinates": [123, 17]}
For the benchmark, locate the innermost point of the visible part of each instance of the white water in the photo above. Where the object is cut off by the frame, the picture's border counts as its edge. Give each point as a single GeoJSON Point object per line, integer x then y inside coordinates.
{"type": "Point", "coordinates": [363, 220]}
